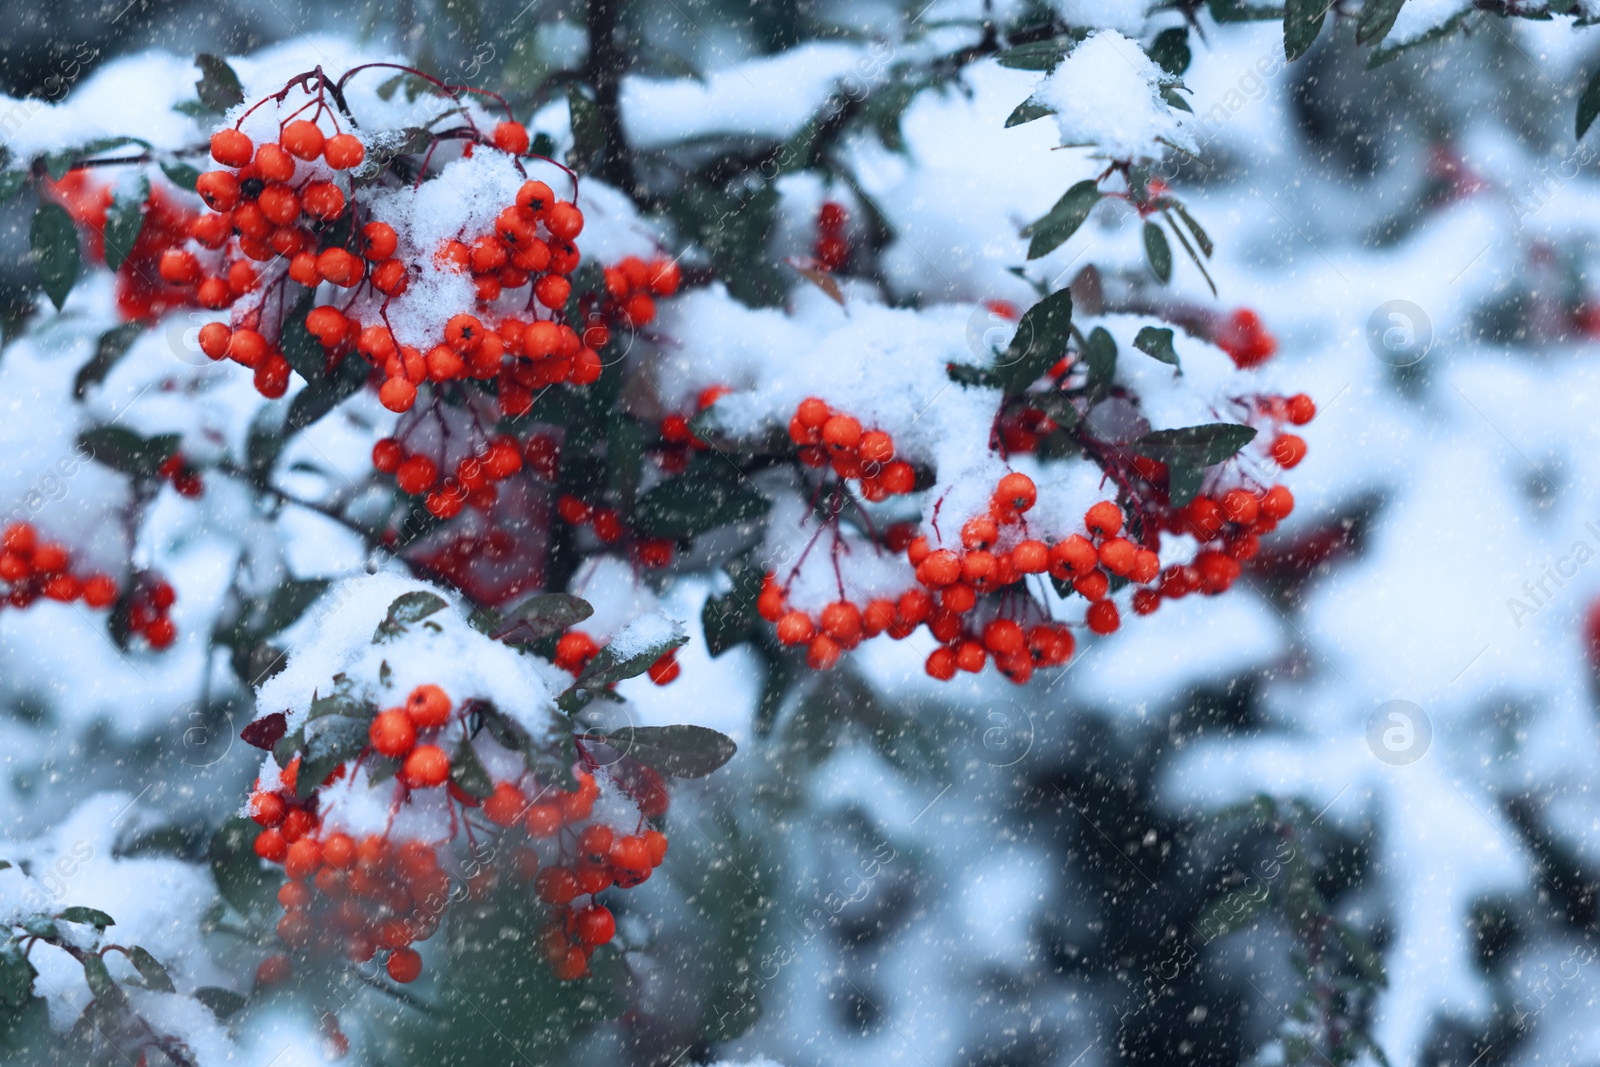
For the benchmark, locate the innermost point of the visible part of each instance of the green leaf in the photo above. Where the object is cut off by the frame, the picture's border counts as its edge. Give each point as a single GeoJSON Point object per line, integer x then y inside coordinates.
{"type": "Point", "coordinates": [1233, 912]}
{"type": "Point", "coordinates": [155, 976]}
{"type": "Point", "coordinates": [125, 451]}
{"type": "Point", "coordinates": [98, 976]}
{"type": "Point", "coordinates": [326, 392]}
{"type": "Point", "coordinates": [303, 351]}
{"type": "Point", "coordinates": [54, 240]}
{"type": "Point", "coordinates": [110, 349]}
{"type": "Point", "coordinates": [1040, 341]}
{"type": "Point", "coordinates": [967, 375]}
{"type": "Point", "coordinates": [545, 614]}
{"type": "Point", "coordinates": [11, 183]}
{"type": "Point", "coordinates": [1170, 50]}
{"type": "Point", "coordinates": [1377, 19]}
{"type": "Point", "coordinates": [181, 174]}
{"type": "Point", "coordinates": [1037, 55]}
{"type": "Point", "coordinates": [1157, 344]}
{"type": "Point", "coordinates": [1195, 446]}
{"type": "Point", "coordinates": [1101, 355]}
{"type": "Point", "coordinates": [89, 916]}
{"type": "Point", "coordinates": [678, 751]}
{"type": "Point", "coordinates": [218, 87]}
{"type": "Point", "coordinates": [329, 741]}
{"type": "Point", "coordinates": [1366, 959]}
{"type": "Point", "coordinates": [406, 609]}
{"type": "Point", "coordinates": [711, 493]}
{"type": "Point", "coordinates": [1062, 220]}
{"type": "Point", "coordinates": [1027, 111]}
{"type": "Point", "coordinates": [1243, 11]}
{"type": "Point", "coordinates": [727, 621]}
{"type": "Point", "coordinates": [625, 458]}
{"type": "Point", "coordinates": [41, 926]}
{"type": "Point", "coordinates": [1183, 485]}
{"type": "Point", "coordinates": [608, 668]}
{"type": "Point", "coordinates": [16, 975]}
{"type": "Point", "coordinates": [241, 879]}
{"type": "Point", "coordinates": [1158, 252]}
{"type": "Point", "coordinates": [1589, 104]}
{"type": "Point", "coordinates": [468, 773]}
{"type": "Point", "coordinates": [124, 220]}
{"type": "Point", "coordinates": [222, 1002]}
{"type": "Point", "coordinates": [588, 130]}
{"type": "Point", "coordinates": [1200, 235]}
{"type": "Point", "coordinates": [1302, 20]}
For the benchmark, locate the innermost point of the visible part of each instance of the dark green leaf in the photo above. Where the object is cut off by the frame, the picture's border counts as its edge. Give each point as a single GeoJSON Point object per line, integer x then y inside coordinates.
{"type": "Point", "coordinates": [678, 751]}
{"type": "Point", "coordinates": [326, 392]}
{"type": "Point", "coordinates": [607, 668]}
{"type": "Point", "coordinates": [264, 442]}
{"type": "Point", "coordinates": [711, 493]}
{"type": "Point", "coordinates": [727, 621]}
{"type": "Point", "coordinates": [240, 877]}
{"type": "Point", "coordinates": [966, 374]}
{"type": "Point", "coordinates": [408, 608]}
{"type": "Point", "coordinates": [468, 773]}
{"type": "Point", "coordinates": [1170, 50]}
{"type": "Point", "coordinates": [1037, 55]}
{"type": "Point", "coordinates": [1062, 220]}
{"type": "Point", "coordinates": [1058, 406]}
{"type": "Point", "coordinates": [125, 451]}
{"type": "Point", "coordinates": [41, 926]}
{"type": "Point", "coordinates": [1183, 485]}
{"type": "Point", "coordinates": [124, 220]}
{"type": "Point", "coordinates": [329, 742]}
{"type": "Point", "coordinates": [181, 174]}
{"type": "Point", "coordinates": [113, 345]}
{"type": "Point", "coordinates": [1040, 340]}
{"type": "Point", "coordinates": [98, 976]}
{"type": "Point", "coordinates": [588, 130]}
{"type": "Point", "coordinates": [625, 457]}
{"type": "Point", "coordinates": [1027, 111]}
{"type": "Point", "coordinates": [11, 183]}
{"type": "Point", "coordinates": [544, 614]}
{"type": "Point", "coordinates": [1366, 959]}
{"type": "Point", "coordinates": [218, 87]}
{"type": "Point", "coordinates": [1302, 20]}
{"type": "Point", "coordinates": [1156, 343]}
{"type": "Point", "coordinates": [1173, 95]}
{"type": "Point", "coordinates": [1200, 235]}
{"type": "Point", "coordinates": [155, 976]}
{"type": "Point", "coordinates": [303, 351]}
{"type": "Point", "coordinates": [89, 916]}
{"type": "Point", "coordinates": [222, 1002]}
{"type": "Point", "coordinates": [1195, 446]}
{"type": "Point", "coordinates": [1158, 252]}
{"type": "Point", "coordinates": [54, 240]}
{"type": "Point", "coordinates": [1377, 19]}
{"type": "Point", "coordinates": [16, 975]}
{"type": "Point", "coordinates": [1101, 355]}
{"type": "Point", "coordinates": [1589, 104]}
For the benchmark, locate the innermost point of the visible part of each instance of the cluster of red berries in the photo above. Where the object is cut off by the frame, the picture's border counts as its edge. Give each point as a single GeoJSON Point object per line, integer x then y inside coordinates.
{"type": "Point", "coordinates": [632, 285]}
{"type": "Point", "coordinates": [473, 481]}
{"type": "Point", "coordinates": [829, 438]}
{"type": "Point", "coordinates": [575, 649]}
{"type": "Point", "coordinates": [185, 479]}
{"type": "Point", "coordinates": [1246, 340]}
{"type": "Point", "coordinates": [678, 439]}
{"type": "Point", "coordinates": [32, 568]}
{"type": "Point", "coordinates": [610, 529]}
{"type": "Point", "coordinates": [832, 251]}
{"type": "Point", "coordinates": [375, 895]}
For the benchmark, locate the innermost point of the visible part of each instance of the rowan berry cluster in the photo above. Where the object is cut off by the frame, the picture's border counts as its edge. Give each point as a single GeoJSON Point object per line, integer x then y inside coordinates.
{"type": "Point", "coordinates": [471, 483]}
{"type": "Point", "coordinates": [632, 285]}
{"type": "Point", "coordinates": [655, 552]}
{"type": "Point", "coordinates": [185, 479]}
{"type": "Point", "coordinates": [359, 895]}
{"type": "Point", "coordinates": [829, 438]}
{"type": "Point", "coordinates": [1245, 338]}
{"type": "Point", "coordinates": [832, 251]}
{"type": "Point", "coordinates": [32, 569]}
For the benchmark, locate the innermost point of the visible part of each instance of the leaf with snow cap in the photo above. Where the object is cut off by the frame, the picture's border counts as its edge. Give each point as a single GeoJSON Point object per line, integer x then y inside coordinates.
{"type": "Point", "coordinates": [89, 916]}
{"type": "Point", "coordinates": [684, 751]}
{"type": "Point", "coordinates": [542, 615]}
{"type": "Point", "coordinates": [628, 655]}
{"type": "Point", "coordinates": [406, 609]}
{"type": "Point", "coordinates": [1027, 111]}
{"type": "Point", "coordinates": [330, 741]}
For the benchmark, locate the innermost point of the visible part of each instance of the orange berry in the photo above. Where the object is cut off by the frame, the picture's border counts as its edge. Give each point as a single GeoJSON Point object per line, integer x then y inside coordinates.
{"type": "Point", "coordinates": [1103, 519]}
{"type": "Point", "coordinates": [1102, 617]}
{"type": "Point", "coordinates": [404, 965]}
{"type": "Point", "coordinates": [302, 139]}
{"type": "Point", "coordinates": [428, 707]}
{"type": "Point", "coordinates": [344, 151]}
{"type": "Point", "coordinates": [1016, 492]}
{"type": "Point", "coordinates": [426, 766]}
{"type": "Point", "coordinates": [231, 148]}
{"type": "Point", "coordinates": [392, 733]}
{"type": "Point", "coordinates": [505, 805]}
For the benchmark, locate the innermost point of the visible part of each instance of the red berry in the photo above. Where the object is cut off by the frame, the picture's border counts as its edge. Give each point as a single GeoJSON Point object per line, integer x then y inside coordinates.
{"type": "Point", "coordinates": [302, 139]}
{"type": "Point", "coordinates": [231, 148]}
{"type": "Point", "coordinates": [344, 151]}
{"type": "Point", "coordinates": [426, 766]}
{"type": "Point", "coordinates": [404, 965]}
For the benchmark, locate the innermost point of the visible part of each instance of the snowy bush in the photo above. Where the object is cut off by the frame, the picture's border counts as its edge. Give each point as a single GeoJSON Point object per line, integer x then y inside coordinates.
{"type": "Point", "coordinates": [975, 533]}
